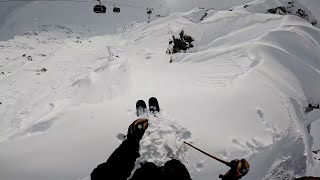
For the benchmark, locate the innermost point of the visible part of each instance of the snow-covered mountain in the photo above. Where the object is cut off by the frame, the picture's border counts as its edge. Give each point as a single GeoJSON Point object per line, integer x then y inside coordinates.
{"type": "Point", "coordinates": [17, 17]}
{"type": "Point", "coordinates": [247, 89]}
{"type": "Point", "coordinates": [281, 7]}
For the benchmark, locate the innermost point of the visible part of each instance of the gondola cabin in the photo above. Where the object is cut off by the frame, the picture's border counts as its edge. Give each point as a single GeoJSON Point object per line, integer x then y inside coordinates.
{"type": "Point", "coordinates": [100, 8]}
{"type": "Point", "coordinates": [116, 9]}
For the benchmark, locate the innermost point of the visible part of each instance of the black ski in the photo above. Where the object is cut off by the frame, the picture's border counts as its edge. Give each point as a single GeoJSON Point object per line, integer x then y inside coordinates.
{"type": "Point", "coordinates": [141, 108]}
{"type": "Point", "coordinates": [154, 105]}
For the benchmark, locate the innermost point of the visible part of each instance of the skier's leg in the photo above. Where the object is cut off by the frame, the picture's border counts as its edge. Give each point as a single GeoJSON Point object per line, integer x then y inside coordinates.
{"type": "Point", "coordinates": [174, 169]}
{"type": "Point", "coordinates": [146, 172]}
{"type": "Point", "coordinates": [122, 160]}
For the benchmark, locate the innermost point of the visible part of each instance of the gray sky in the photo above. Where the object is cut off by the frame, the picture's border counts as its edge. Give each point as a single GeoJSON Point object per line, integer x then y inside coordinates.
{"type": "Point", "coordinates": [19, 17]}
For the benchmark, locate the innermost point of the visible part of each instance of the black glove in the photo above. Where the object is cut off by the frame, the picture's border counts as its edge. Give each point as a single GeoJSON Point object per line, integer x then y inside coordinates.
{"type": "Point", "coordinates": [137, 129]}
{"type": "Point", "coordinates": [234, 163]}
{"type": "Point", "coordinates": [239, 168]}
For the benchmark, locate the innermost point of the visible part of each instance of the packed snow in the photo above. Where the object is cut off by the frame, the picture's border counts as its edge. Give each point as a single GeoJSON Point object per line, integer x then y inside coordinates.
{"type": "Point", "coordinates": [249, 88]}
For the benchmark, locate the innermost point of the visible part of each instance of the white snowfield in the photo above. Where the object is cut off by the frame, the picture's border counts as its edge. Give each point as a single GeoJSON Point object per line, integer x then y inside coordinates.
{"type": "Point", "coordinates": [241, 92]}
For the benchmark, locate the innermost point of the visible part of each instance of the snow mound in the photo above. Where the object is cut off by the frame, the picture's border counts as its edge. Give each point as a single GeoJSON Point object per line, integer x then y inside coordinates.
{"type": "Point", "coordinates": [198, 14]}
{"type": "Point", "coordinates": [280, 7]}
{"type": "Point", "coordinates": [268, 53]}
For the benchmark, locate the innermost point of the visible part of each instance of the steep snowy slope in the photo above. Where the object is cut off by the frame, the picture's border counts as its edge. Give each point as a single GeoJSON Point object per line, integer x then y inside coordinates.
{"type": "Point", "coordinates": [281, 7]}
{"type": "Point", "coordinates": [241, 92]}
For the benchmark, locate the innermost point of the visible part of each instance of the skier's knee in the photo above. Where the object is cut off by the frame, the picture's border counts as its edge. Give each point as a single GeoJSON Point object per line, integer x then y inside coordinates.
{"type": "Point", "coordinates": [174, 169]}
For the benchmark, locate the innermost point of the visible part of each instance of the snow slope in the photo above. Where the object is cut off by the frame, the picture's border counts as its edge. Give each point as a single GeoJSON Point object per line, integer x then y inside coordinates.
{"type": "Point", "coordinates": [239, 93]}
{"type": "Point", "coordinates": [281, 7]}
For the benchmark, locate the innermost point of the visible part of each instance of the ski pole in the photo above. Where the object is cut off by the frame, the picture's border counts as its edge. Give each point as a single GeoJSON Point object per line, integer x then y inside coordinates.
{"type": "Point", "coordinates": [220, 160]}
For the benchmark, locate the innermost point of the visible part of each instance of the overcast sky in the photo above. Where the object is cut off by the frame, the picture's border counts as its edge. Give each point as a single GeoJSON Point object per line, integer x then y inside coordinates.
{"type": "Point", "coordinates": [19, 17]}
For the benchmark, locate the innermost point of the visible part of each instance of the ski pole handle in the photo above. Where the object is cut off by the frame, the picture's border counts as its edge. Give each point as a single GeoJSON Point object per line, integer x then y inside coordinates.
{"type": "Point", "coordinates": [220, 160]}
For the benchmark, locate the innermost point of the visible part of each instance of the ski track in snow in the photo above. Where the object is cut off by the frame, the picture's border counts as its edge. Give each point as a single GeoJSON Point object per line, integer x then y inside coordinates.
{"type": "Point", "coordinates": [236, 54]}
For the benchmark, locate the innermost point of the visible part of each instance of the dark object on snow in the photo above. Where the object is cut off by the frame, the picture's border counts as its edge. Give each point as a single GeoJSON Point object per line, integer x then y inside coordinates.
{"type": "Point", "coordinates": [30, 58]}
{"type": "Point", "coordinates": [42, 70]}
{"type": "Point", "coordinates": [308, 178]}
{"type": "Point", "coordinates": [278, 10]}
{"type": "Point", "coordinates": [206, 14]}
{"type": "Point", "coordinates": [154, 105]}
{"type": "Point", "coordinates": [122, 161]}
{"type": "Point", "coordinates": [141, 108]}
{"type": "Point", "coordinates": [181, 44]}
{"type": "Point", "coordinates": [116, 9]}
{"type": "Point", "coordinates": [311, 107]}
{"type": "Point", "coordinates": [290, 10]}
{"type": "Point", "coordinates": [100, 8]}
{"type": "Point", "coordinates": [0, 102]}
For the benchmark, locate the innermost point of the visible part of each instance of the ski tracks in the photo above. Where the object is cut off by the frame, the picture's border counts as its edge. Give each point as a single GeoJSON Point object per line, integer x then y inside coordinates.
{"type": "Point", "coordinates": [219, 68]}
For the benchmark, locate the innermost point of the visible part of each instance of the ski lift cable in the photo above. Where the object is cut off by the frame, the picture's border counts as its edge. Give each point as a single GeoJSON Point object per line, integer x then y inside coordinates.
{"type": "Point", "coordinates": [84, 1]}
{"type": "Point", "coordinates": [45, 1]}
{"type": "Point", "coordinates": [123, 4]}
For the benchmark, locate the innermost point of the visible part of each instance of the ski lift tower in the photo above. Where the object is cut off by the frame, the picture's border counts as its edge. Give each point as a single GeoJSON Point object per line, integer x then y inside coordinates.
{"type": "Point", "coordinates": [149, 12]}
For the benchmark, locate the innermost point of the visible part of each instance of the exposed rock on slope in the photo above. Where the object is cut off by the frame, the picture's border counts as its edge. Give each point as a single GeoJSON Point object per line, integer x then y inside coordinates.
{"type": "Point", "coordinates": [281, 7]}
